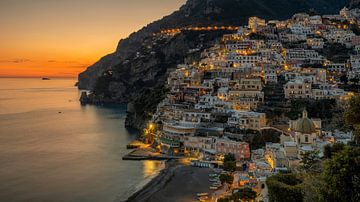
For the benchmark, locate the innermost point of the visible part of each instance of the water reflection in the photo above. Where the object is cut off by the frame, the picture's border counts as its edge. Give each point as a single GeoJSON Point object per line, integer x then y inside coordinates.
{"type": "Point", "coordinates": [74, 155]}
{"type": "Point", "coordinates": [152, 168]}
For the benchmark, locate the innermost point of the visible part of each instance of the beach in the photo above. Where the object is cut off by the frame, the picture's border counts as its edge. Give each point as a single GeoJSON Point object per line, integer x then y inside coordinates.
{"type": "Point", "coordinates": [177, 182]}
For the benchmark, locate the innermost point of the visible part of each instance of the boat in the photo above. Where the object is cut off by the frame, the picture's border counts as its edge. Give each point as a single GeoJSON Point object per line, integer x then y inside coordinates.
{"type": "Point", "coordinates": [203, 198]}
{"type": "Point", "coordinates": [202, 194]}
{"type": "Point", "coordinates": [216, 184]}
{"type": "Point", "coordinates": [45, 78]}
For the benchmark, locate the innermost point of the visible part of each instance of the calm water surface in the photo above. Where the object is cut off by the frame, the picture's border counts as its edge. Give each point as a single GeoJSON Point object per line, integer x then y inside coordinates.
{"type": "Point", "coordinates": [52, 149]}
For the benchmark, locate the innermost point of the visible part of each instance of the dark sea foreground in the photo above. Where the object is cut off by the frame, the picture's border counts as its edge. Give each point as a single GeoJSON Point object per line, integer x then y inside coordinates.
{"type": "Point", "coordinates": [53, 149]}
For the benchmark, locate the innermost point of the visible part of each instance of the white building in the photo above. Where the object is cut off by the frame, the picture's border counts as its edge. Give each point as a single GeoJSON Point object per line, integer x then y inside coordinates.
{"type": "Point", "coordinates": [315, 43]}
{"type": "Point", "coordinates": [303, 56]}
{"type": "Point", "coordinates": [336, 67]}
{"type": "Point", "coordinates": [247, 120]}
{"type": "Point", "coordinates": [298, 28]}
{"type": "Point", "coordinates": [355, 65]}
{"type": "Point", "coordinates": [255, 23]}
{"type": "Point", "coordinates": [340, 36]}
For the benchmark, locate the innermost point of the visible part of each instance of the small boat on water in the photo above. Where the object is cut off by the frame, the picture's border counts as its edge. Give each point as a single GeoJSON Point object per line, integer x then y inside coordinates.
{"type": "Point", "coordinates": [45, 78]}
{"type": "Point", "coordinates": [216, 184]}
{"type": "Point", "coordinates": [202, 194]}
{"type": "Point", "coordinates": [203, 198]}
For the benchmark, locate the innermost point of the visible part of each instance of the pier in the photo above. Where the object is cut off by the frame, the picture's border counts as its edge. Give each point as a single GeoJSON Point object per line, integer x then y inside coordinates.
{"type": "Point", "coordinates": [148, 153]}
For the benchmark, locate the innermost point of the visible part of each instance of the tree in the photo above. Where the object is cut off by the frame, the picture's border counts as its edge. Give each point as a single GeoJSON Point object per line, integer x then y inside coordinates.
{"type": "Point", "coordinates": [285, 188]}
{"type": "Point", "coordinates": [245, 194]}
{"type": "Point", "coordinates": [311, 187]}
{"type": "Point", "coordinates": [310, 161]}
{"type": "Point", "coordinates": [230, 166]}
{"type": "Point", "coordinates": [226, 178]}
{"type": "Point", "coordinates": [330, 150]}
{"type": "Point", "coordinates": [229, 162]}
{"type": "Point", "coordinates": [355, 80]}
{"type": "Point", "coordinates": [352, 117]}
{"type": "Point", "coordinates": [229, 157]}
{"type": "Point", "coordinates": [344, 79]}
{"type": "Point", "coordinates": [342, 176]}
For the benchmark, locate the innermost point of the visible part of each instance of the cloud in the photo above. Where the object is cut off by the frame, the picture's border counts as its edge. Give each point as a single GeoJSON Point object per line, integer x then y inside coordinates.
{"type": "Point", "coordinates": [66, 63]}
{"type": "Point", "coordinates": [16, 60]}
{"type": "Point", "coordinates": [70, 63]}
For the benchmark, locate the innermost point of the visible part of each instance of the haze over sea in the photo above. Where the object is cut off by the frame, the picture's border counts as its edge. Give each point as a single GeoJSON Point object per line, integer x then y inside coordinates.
{"type": "Point", "coordinates": [54, 149]}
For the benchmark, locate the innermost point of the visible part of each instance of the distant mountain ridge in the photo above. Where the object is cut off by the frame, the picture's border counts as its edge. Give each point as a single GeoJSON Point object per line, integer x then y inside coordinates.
{"type": "Point", "coordinates": [354, 4]}
{"type": "Point", "coordinates": [131, 74]}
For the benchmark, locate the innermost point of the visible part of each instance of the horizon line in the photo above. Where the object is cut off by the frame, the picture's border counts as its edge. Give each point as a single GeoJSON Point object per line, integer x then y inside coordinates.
{"type": "Point", "coordinates": [37, 77]}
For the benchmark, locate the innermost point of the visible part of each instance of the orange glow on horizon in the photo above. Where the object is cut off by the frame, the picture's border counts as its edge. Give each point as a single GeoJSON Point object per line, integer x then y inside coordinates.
{"type": "Point", "coordinates": [50, 66]}
{"type": "Point", "coordinates": [44, 38]}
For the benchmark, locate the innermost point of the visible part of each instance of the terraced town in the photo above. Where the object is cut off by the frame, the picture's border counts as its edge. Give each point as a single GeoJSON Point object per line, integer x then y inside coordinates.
{"type": "Point", "coordinates": [260, 100]}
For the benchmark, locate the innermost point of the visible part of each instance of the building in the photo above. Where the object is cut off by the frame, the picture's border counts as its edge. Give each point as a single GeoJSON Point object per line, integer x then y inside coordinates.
{"type": "Point", "coordinates": [315, 43]}
{"type": "Point", "coordinates": [247, 120]}
{"type": "Point", "coordinates": [270, 75]}
{"type": "Point", "coordinates": [275, 156]}
{"type": "Point", "coordinates": [336, 67]}
{"type": "Point", "coordinates": [305, 133]}
{"type": "Point", "coordinates": [250, 60]}
{"type": "Point", "coordinates": [246, 94]}
{"type": "Point", "coordinates": [290, 149]}
{"type": "Point", "coordinates": [241, 150]}
{"type": "Point", "coordinates": [195, 144]}
{"type": "Point", "coordinates": [298, 28]}
{"type": "Point", "coordinates": [355, 65]}
{"type": "Point", "coordinates": [255, 23]}
{"type": "Point", "coordinates": [196, 116]}
{"type": "Point", "coordinates": [303, 56]}
{"type": "Point", "coordinates": [340, 36]}
{"type": "Point", "coordinates": [297, 89]}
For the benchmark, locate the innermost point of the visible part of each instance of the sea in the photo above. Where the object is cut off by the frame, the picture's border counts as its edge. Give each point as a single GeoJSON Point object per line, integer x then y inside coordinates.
{"type": "Point", "coordinates": [54, 149]}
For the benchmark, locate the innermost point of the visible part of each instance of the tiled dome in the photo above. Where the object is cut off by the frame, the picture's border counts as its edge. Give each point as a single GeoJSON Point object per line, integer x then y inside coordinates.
{"type": "Point", "coordinates": [305, 125]}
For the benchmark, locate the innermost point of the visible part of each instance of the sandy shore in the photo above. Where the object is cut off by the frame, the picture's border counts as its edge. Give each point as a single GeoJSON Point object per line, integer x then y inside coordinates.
{"type": "Point", "coordinates": [176, 183]}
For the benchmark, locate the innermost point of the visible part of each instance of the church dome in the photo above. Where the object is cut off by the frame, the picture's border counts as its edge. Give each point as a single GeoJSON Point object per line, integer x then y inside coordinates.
{"type": "Point", "coordinates": [305, 125]}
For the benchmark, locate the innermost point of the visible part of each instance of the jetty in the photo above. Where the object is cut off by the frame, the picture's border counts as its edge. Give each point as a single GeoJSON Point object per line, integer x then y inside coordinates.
{"type": "Point", "coordinates": [148, 153]}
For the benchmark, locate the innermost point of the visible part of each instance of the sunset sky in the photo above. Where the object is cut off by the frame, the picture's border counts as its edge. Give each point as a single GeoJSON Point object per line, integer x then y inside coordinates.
{"type": "Point", "coordinates": [60, 38]}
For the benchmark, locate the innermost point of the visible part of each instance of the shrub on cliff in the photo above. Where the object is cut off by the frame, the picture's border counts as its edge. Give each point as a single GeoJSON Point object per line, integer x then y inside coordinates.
{"type": "Point", "coordinates": [285, 188]}
{"type": "Point", "coordinates": [342, 176]}
{"type": "Point", "coordinates": [145, 104]}
{"type": "Point", "coordinates": [352, 117]}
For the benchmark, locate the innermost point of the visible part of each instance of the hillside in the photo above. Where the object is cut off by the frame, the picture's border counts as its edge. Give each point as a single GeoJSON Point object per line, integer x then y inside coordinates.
{"type": "Point", "coordinates": [141, 61]}
{"type": "Point", "coordinates": [198, 12]}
